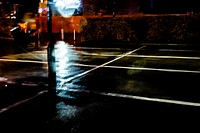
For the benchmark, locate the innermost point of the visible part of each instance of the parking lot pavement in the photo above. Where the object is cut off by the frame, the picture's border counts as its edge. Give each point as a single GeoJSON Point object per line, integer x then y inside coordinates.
{"type": "Point", "coordinates": [143, 85]}
{"type": "Point", "coordinates": [97, 114]}
{"type": "Point", "coordinates": [112, 114]}
{"type": "Point", "coordinates": [156, 71]}
{"type": "Point", "coordinates": [120, 89]}
{"type": "Point", "coordinates": [26, 114]}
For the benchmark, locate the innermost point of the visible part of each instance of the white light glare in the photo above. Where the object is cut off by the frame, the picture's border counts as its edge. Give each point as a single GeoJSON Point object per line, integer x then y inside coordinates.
{"type": "Point", "coordinates": [67, 7]}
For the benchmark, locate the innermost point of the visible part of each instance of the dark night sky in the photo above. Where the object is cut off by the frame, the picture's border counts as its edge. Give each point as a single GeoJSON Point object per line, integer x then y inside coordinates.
{"type": "Point", "coordinates": [174, 6]}
{"type": "Point", "coordinates": [159, 6]}
{"type": "Point", "coordinates": [27, 5]}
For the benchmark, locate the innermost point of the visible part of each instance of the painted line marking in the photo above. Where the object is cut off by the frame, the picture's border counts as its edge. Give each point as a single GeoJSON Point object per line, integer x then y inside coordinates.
{"type": "Point", "coordinates": [86, 72]}
{"type": "Point", "coordinates": [140, 56]}
{"type": "Point", "coordinates": [21, 102]}
{"type": "Point", "coordinates": [166, 57]}
{"type": "Point", "coordinates": [140, 68]}
{"type": "Point", "coordinates": [177, 50]}
{"type": "Point", "coordinates": [122, 67]}
{"type": "Point", "coordinates": [144, 56]}
{"type": "Point", "coordinates": [24, 61]}
{"type": "Point", "coordinates": [160, 100]}
{"type": "Point", "coordinates": [151, 99]}
{"type": "Point", "coordinates": [76, 48]}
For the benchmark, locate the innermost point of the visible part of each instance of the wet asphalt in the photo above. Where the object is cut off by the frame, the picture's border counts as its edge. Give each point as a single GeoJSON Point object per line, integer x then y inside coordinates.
{"type": "Point", "coordinates": [137, 87]}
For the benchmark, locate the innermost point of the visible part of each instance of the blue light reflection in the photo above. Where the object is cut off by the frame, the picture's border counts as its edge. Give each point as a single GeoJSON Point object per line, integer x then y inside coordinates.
{"type": "Point", "coordinates": [65, 58]}
{"type": "Point", "coordinates": [62, 64]}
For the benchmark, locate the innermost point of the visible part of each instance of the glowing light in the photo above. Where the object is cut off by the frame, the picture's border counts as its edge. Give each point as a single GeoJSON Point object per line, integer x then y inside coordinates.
{"type": "Point", "coordinates": [63, 59]}
{"type": "Point", "coordinates": [65, 111]}
{"type": "Point", "coordinates": [3, 79]}
{"type": "Point", "coordinates": [68, 7]}
{"type": "Point", "coordinates": [40, 10]}
{"type": "Point", "coordinates": [61, 54]}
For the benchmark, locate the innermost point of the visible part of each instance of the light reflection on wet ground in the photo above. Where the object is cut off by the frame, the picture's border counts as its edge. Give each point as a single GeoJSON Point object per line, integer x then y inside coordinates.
{"type": "Point", "coordinates": [66, 112]}
{"type": "Point", "coordinates": [146, 76]}
{"type": "Point", "coordinates": [90, 80]}
{"type": "Point", "coordinates": [65, 57]}
{"type": "Point", "coordinates": [170, 78]}
{"type": "Point", "coordinates": [140, 72]}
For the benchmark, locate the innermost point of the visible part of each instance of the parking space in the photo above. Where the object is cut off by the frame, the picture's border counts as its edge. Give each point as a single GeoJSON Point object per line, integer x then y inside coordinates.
{"type": "Point", "coordinates": [164, 72]}
{"type": "Point", "coordinates": [109, 89]}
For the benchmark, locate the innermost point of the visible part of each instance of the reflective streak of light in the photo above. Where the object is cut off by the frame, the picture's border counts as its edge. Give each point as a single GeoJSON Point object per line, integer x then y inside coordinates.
{"type": "Point", "coordinates": [62, 60]}
{"type": "Point", "coordinates": [139, 68]}
{"type": "Point", "coordinates": [64, 56]}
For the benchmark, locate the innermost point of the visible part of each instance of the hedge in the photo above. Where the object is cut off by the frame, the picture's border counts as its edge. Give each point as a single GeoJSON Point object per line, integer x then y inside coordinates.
{"type": "Point", "coordinates": [150, 29]}
{"type": "Point", "coordinates": [139, 29]}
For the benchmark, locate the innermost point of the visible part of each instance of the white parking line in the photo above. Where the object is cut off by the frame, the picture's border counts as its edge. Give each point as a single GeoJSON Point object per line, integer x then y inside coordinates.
{"type": "Point", "coordinates": [94, 54]}
{"type": "Point", "coordinates": [143, 56]}
{"type": "Point", "coordinates": [24, 61]}
{"type": "Point", "coordinates": [166, 57]}
{"type": "Point", "coordinates": [102, 65]}
{"type": "Point", "coordinates": [177, 50]}
{"type": "Point", "coordinates": [159, 100]}
{"type": "Point", "coordinates": [95, 48]}
{"type": "Point", "coordinates": [178, 102]}
{"type": "Point", "coordinates": [141, 68]}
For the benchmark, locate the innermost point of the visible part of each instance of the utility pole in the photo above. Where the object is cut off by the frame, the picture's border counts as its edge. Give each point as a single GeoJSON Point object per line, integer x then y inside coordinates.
{"type": "Point", "coordinates": [49, 19]}
{"type": "Point", "coordinates": [51, 55]}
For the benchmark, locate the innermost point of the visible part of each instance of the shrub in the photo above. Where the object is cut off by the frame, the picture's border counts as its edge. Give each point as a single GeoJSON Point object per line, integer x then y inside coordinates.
{"type": "Point", "coordinates": [152, 29]}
